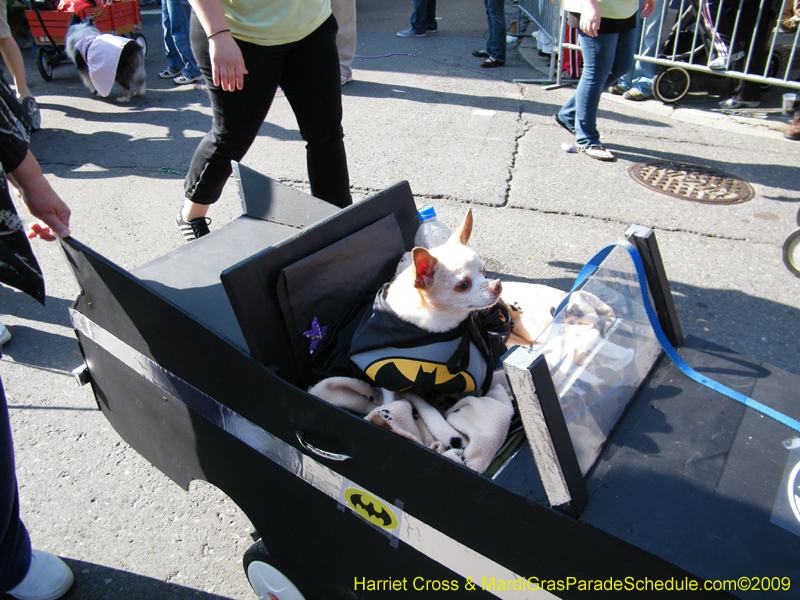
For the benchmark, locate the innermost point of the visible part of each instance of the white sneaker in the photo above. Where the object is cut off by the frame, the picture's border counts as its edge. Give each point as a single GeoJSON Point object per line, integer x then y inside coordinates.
{"type": "Point", "coordinates": [734, 102]}
{"type": "Point", "coordinates": [721, 62]}
{"type": "Point", "coordinates": [48, 578]}
{"type": "Point", "coordinates": [5, 334]}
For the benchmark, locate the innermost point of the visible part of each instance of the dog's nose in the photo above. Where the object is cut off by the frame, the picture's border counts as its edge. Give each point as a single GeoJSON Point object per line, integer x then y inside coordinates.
{"type": "Point", "coordinates": [496, 286]}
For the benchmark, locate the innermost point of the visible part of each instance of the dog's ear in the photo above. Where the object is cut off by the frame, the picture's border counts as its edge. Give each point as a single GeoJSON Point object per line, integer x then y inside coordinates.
{"type": "Point", "coordinates": [75, 19]}
{"type": "Point", "coordinates": [464, 231]}
{"type": "Point", "coordinates": [423, 265]}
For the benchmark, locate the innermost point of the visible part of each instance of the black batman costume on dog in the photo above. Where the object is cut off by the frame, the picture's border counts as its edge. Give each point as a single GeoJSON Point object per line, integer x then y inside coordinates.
{"type": "Point", "coordinates": [370, 342]}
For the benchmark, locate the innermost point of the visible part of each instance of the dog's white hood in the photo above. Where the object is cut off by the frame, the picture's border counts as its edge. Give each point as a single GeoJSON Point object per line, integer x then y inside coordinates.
{"type": "Point", "coordinates": [101, 54]}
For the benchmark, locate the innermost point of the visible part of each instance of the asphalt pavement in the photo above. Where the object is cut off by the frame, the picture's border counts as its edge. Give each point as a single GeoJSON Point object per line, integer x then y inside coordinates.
{"type": "Point", "coordinates": [420, 110]}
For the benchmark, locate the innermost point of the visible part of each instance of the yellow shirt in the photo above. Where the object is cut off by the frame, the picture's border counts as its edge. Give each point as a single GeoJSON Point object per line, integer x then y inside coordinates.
{"type": "Point", "coordinates": [275, 22]}
{"type": "Point", "coordinates": [610, 9]}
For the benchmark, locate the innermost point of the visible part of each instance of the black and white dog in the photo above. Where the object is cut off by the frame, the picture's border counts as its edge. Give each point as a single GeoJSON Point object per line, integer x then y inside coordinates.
{"type": "Point", "coordinates": [103, 58]}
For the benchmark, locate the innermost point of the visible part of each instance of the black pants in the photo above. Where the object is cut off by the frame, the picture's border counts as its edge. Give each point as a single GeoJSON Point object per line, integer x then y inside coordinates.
{"type": "Point", "coordinates": [751, 90]}
{"type": "Point", "coordinates": [308, 73]}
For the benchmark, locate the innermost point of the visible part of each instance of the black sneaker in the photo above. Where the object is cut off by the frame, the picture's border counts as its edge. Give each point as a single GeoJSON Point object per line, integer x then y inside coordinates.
{"type": "Point", "coordinates": [196, 228]}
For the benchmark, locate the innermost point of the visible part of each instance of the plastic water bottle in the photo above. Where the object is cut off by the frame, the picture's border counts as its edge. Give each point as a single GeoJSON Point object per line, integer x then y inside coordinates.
{"type": "Point", "coordinates": [431, 232]}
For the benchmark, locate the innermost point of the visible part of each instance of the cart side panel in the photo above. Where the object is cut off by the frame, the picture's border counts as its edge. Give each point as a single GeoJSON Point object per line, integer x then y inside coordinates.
{"type": "Point", "coordinates": [233, 424]}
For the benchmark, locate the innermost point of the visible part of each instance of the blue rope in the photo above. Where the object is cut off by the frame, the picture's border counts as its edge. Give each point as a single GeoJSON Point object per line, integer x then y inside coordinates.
{"type": "Point", "coordinates": [592, 266]}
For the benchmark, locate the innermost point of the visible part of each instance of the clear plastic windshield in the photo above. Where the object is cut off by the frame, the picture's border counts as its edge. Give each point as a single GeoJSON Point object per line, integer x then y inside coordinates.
{"type": "Point", "coordinates": [599, 348]}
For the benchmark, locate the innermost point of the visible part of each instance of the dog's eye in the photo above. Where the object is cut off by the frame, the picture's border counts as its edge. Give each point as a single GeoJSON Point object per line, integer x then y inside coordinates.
{"type": "Point", "coordinates": [464, 285]}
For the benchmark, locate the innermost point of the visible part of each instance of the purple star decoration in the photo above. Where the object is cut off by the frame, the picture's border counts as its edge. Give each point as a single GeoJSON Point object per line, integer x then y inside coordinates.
{"type": "Point", "coordinates": [315, 334]}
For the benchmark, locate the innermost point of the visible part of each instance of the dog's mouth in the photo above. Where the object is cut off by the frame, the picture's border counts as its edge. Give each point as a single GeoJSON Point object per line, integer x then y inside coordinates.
{"type": "Point", "coordinates": [491, 302]}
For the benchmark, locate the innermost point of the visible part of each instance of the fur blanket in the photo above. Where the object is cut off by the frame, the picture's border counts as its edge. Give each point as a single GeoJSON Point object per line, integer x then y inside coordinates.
{"type": "Point", "coordinates": [471, 431]}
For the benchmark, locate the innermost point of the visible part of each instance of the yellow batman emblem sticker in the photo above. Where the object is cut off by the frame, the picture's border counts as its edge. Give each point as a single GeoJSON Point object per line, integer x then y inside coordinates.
{"type": "Point", "coordinates": [399, 374]}
{"type": "Point", "coordinates": [371, 509]}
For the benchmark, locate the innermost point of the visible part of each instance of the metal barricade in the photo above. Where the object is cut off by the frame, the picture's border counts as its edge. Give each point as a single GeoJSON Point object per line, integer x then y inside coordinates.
{"type": "Point", "coordinates": [546, 14]}
{"type": "Point", "coordinates": [702, 36]}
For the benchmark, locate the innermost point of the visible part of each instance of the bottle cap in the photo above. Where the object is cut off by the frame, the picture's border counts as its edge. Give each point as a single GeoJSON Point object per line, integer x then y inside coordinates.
{"type": "Point", "coordinates": [426, 212]}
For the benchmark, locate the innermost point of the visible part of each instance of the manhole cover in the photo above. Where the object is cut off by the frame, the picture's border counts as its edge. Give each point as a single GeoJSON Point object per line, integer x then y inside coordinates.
{"type": "Point", "coordinates": [692, 182]}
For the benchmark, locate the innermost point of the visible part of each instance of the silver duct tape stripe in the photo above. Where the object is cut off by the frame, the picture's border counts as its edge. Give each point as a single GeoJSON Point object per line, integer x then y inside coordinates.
{"type": "Point", "coordinates": [417, 534]}
{"type": "Point", "coordinates": [322, 478]}
{"type": "Point", "coordinates": [501, 582]}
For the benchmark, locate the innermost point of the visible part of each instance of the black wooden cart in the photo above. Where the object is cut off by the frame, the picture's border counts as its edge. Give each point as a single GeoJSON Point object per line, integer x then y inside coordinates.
{"type": "Point", "coordinates": [194, 359]}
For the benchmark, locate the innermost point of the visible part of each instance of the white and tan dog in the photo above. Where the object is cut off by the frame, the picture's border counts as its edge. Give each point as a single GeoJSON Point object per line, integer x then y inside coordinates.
{"type": "Point", "coordinates": [419, 322]}
{"type": "Point", "coordinates": [442, 286]}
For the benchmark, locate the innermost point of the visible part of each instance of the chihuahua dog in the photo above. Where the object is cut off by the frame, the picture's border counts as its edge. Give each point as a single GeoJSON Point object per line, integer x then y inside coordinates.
{"type": "Point", "coordinates": [444, 285]}
{"type": "Point", "coordinates": [103, 58]}
{"type": "Point", "coordinates": [418, 333]}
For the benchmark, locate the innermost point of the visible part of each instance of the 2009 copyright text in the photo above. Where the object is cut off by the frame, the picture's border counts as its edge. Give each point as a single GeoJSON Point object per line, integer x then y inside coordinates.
{"type": "Point", "coordinates": [628, 584]}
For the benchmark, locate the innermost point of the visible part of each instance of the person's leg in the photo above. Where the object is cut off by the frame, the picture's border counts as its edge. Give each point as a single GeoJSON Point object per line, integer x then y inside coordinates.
{"type": "Point", "coordinates": [496, 40]}
{"type": "Point", "coordinates": [180, 13]}
{"type": "Point", "coordinates": [11, 54]}
{"type": "Point", "coordinates": [237, 117]}
{"type": "Point", "coordinates": [598, 60]}
{"type": "Point", "coordinates": [345, 13]}
{"type": "Point", "coordinates": [174, 61]}
{"type": "Point", "coordinates": [645, 72]}
{"type": "Point", "coordinates": [623, 55]}
{"type": "Point", "coordinates": [430, 16]}
{"type": "Point", "coordinates": [567, 114]}
{"type": "Point", "coordinates": [15, 545]}
{"type": "Point", "coordinates": [311, 83]}
{"type": "Point", "coordinates": [748, 93]}
{"type": "Point", "coordinates": [419, 16]}
{"type": "Point", "coordinates": [626, 80]}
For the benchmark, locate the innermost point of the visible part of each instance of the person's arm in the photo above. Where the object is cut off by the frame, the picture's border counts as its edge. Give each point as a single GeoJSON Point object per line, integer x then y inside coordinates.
{"type": "Point", "coordinates": [590, 17]}
{"type": "Point", "coordinates": [227, 64]}
{"type": "Point", "coordinates": [41, 200]}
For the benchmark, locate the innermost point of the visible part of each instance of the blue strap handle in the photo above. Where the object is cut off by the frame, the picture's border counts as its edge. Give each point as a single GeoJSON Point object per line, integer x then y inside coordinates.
{"type": "Point", "coordinates": [592, 266]}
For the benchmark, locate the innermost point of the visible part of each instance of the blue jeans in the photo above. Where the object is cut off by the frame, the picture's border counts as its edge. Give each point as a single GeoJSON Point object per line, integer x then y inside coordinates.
{"type": "Point", "coordinates": [642, 74]}
{"type": "Point", "coordinates": [15, 545]}
{"type": "Point", "coordinates": [605, 59]}
{"type": "Point", "coordinates": [496, 40]}
{"type": "Point", "coordinates": [175, 21]}
{"type": "Point", "coordinates": [424, 16]}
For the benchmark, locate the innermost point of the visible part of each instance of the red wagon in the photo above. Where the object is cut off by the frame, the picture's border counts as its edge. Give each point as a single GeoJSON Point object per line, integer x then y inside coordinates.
{"type": "Point", "coordinates": [49, 27]}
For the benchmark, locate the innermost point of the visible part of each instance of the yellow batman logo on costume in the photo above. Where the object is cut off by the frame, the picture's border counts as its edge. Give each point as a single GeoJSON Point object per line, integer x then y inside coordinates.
{"type": "Point", "coordinates": [371, 509]}
{"type": "Point", "coordinates": [398, 374]}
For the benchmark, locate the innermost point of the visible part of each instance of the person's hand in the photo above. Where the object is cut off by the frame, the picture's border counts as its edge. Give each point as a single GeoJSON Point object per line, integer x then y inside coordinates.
{"type": "Point", "coordinates": [41, 200]}
{"type": "Point", "coordinates": [590, 18]}
{"type": "Point", "coordinates": [48, 207]}
{"type": "Point", "coordinates": [648, 6]}
{"type": "Point", "coordinates": [227, 63]}
{"type": "Point", "coordinates": [36, 230]}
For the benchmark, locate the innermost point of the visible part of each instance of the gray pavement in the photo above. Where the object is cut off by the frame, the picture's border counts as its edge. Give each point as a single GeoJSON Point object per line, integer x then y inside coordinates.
{"type": "Point", "coordinates": [420, 110]}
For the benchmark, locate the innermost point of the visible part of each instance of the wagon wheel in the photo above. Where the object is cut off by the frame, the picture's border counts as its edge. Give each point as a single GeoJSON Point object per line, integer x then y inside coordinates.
{"type": "Point", "coordinates": [672, 84]}
{"type": "Point", "coordinates": [791, 253]}
{"type": "Point", "coordinates": [141, 40]}
{"type": "Point", "coordinates": [775, 67]}
{"type": "Point", "coordinates": [267, 582]}
{"type": "Point", "coordinates": [43, 64]}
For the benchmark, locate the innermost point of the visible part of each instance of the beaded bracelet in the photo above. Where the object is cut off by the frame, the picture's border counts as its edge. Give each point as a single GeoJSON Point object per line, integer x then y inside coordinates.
{"type": "Point", "coordinates": [217, 33]}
